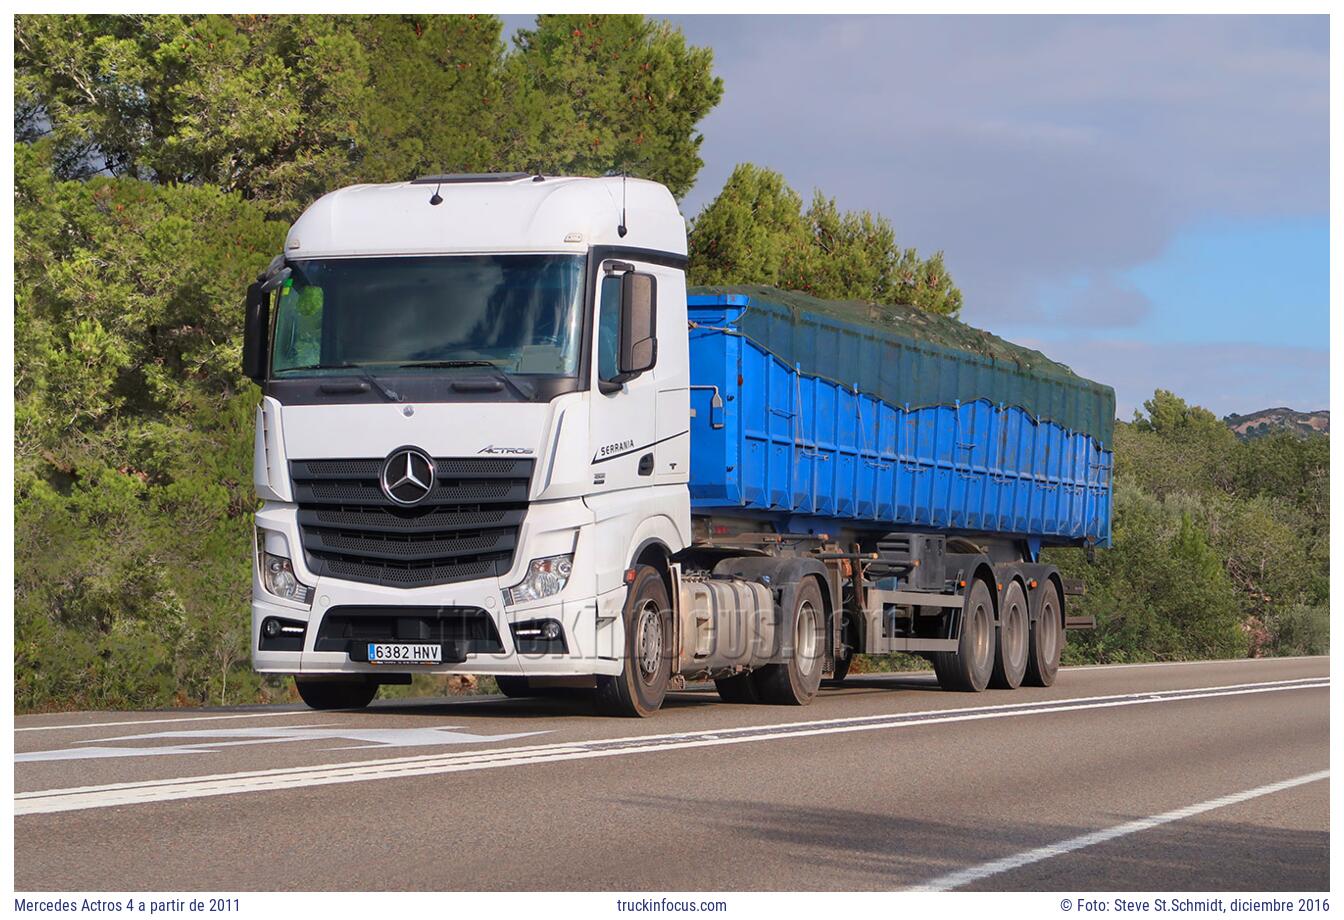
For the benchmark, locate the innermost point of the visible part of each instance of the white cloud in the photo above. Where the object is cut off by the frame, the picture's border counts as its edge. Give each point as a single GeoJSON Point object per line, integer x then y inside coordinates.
{"type": "Point", "coordinates": [1030, 149]}
{"type": "Point", "coordinates": [1226, 377]}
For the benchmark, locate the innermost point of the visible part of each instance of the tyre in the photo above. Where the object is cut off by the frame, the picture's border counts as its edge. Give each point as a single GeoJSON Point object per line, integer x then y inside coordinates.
{"type": "Point", "coordinates": [639, 689]}
{"type": "Point", "coordinates": [795, 682]}
{"type": "Point", "coordinates": [941, 669]}
{"type": "Point", "coordinates": [513, 687]}
{"type": "Point", "coordinates": [971, 665]}
{"type": "Point", "coordinates": [740, 688]}
{"type": "Point", "coordinates": [1010, 650]}
{"type": "Point", "coordinates": [849, 647]}
{"type": "Point", "coordinates": [1047, 639]}
{"type": "Point", "coordinates": [336, 694]}
{"type": "Point", "coordinates": [842, 668]}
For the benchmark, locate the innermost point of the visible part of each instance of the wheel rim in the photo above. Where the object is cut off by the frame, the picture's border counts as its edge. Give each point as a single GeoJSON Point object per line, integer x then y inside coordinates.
{"type": "Point", "coordinates": [649, 635]}
{"type": "Point", "coordinates": [805, 640]}
{"type": "Point", "coordinates": [1049, 634]}
{"type": "Point", "coordinates": [1015, 637]}
{"type": "Point", "coordinates": [984, 647]}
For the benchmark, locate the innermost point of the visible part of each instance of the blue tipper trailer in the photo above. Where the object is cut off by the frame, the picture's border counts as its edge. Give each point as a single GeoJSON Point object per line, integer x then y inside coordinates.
{"type": "Point", "coordinates": [823, 424]}
{"type": "Point", "coordinates": [917, 465]}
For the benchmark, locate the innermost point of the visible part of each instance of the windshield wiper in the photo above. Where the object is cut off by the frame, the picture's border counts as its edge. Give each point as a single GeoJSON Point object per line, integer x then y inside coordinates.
{"type": "Point", "coordinates": [455, 362]}
{"type": "Point", "coordinates": [499, 372]}
{"type": "Point", "coordinates": [391, 394]}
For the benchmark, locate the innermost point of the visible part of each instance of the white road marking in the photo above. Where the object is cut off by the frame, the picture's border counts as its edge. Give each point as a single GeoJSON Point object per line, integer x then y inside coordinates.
{"type": "Point", "coordinates": [105, 796]}
{"type": "Point", "coordinates": [232, 737]}
{"type": "Point", "coordinates": [260, 714]}
{"type": "Point", "coordinates": [88, 725]}
{"type": "Point", "coordinates": [964, 877]}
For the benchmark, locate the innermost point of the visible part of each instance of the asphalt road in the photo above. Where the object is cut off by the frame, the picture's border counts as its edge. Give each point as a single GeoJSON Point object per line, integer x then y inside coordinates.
{"type": "Point", "coordinates": [1206, 776]}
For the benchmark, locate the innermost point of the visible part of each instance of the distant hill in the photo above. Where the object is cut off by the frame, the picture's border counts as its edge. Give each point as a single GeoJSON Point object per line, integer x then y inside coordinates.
{"type": "Point", "coordinates": [1268, 421]}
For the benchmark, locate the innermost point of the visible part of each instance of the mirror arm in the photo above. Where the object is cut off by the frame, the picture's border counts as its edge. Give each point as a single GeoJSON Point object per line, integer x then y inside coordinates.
{"type": "Point", "coordinates": [276, 279]}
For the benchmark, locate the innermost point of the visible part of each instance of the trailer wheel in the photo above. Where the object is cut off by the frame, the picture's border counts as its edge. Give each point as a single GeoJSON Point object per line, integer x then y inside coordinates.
{"type": "Point", "coordinates": [639, 689]}
{"type": "Point", "coordinates": [1047, 640]}
{"type": "Point", "coordinates": [1010, 651]}
{"type": "Point", "coordinates": [740, 688]}
{"type": "Point", "coordinates": [970, 666]}
{"type": "Point", "coordinates": [336, 694]}
{"type": "Point", "coordinates": [795, 682]}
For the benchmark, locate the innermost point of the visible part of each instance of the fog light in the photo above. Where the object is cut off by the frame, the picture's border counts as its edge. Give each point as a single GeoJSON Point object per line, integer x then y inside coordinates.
{"type": "Point", "coordinates": [281, 635]}
{"type": "Point", "coordinates": [539, 637]}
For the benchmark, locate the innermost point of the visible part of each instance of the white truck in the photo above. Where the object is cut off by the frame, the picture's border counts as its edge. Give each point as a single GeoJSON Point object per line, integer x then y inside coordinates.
{"type": "Point", "coordinates": [474, 454]}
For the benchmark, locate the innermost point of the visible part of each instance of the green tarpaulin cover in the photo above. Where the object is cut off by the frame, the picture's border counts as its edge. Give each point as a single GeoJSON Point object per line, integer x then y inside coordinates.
{"type": "Point", "coordinates": [908, 356]}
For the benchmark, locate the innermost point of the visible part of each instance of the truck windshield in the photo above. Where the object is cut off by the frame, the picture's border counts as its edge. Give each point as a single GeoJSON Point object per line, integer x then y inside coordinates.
{"type": "Point", "coordinates": [414, 314]}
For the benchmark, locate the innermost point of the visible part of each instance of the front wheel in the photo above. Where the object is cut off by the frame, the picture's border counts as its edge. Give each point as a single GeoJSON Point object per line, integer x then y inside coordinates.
{"type": "Point", "coordinates": [639, 689]}
{"type": "Point", "coordinates": [336, 694]}
{"type": "Point", "coordinates": [513, 687]}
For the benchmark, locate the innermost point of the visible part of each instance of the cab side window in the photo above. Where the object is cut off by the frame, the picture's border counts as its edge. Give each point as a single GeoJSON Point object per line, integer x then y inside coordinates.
{"type": "Point", "coordinates": [609, 328]}
{"type": "Point", "coordinates": [298, 327]}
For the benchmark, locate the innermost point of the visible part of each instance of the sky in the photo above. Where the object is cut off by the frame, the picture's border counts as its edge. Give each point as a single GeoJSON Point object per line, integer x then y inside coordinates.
{"type": "Point", "coordinates": [1142, 198]}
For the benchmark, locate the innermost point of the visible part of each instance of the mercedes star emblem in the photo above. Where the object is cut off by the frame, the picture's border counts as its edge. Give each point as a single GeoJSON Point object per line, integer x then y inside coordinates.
{"type": "Point", "coordinates": [408, 475]}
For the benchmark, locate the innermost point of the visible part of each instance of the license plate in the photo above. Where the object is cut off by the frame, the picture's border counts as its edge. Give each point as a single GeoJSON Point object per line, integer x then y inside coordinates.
{"type": "Point", "coordinates": [402, 653]}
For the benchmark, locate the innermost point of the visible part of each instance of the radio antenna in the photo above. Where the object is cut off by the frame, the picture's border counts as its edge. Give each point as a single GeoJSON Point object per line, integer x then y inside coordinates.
{"type": "Point", "coordinates": [620, 228]}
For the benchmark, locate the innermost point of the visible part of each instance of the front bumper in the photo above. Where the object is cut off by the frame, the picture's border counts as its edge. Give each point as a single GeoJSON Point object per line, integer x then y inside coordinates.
{"type": "Point", "coordinates": [592, 640]}
{"type": "Point", "coordinates": [590, 644]}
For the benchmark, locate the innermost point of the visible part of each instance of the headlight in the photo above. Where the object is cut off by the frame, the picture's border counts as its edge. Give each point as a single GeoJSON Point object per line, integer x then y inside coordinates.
{"type": "Point", "coordinates": [544, 577]}
{"type": "Point", "coordinates": [277, 575]}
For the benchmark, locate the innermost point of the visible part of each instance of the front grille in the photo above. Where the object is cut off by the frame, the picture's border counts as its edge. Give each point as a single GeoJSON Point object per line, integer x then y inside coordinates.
{"type": "Point", "coordinates": [344, 628]}
{"type": "Point", "coordinates": [466, 528]}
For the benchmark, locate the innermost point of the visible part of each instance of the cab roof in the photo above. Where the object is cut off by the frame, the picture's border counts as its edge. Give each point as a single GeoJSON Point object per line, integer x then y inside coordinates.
{"type": "Point", "coordinates": [492, 212]}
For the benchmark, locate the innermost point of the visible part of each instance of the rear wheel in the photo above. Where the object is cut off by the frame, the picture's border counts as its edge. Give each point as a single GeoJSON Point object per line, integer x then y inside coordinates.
{"type": "Point", "coordinates": [740, 688]}
{"type": "Point", "coordinates": [642, 684]}
{"type": "Point", "coordinates": [795, 682]}
{"type": "Point", "coordinates": [336, 694]}
{"type": "Point", "coordinates": [1010, 653]}
{"type": "Point", "coordinates": [1047, 639]}
{"type": "Point", "coordinates": [970, 666]}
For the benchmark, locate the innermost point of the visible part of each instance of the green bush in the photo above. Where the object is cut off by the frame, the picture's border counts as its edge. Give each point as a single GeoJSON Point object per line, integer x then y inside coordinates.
{"type": "Point", "coordinates": [1221, 547]}
{"type": "Point", "coordinates": [1302, 631]}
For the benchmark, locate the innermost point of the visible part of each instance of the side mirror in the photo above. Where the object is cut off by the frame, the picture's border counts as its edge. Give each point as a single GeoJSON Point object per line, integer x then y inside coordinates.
{"type": "Point", "coordinates": [639, 325]}
{"type": "Point", "coordinates": [256, 324]}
